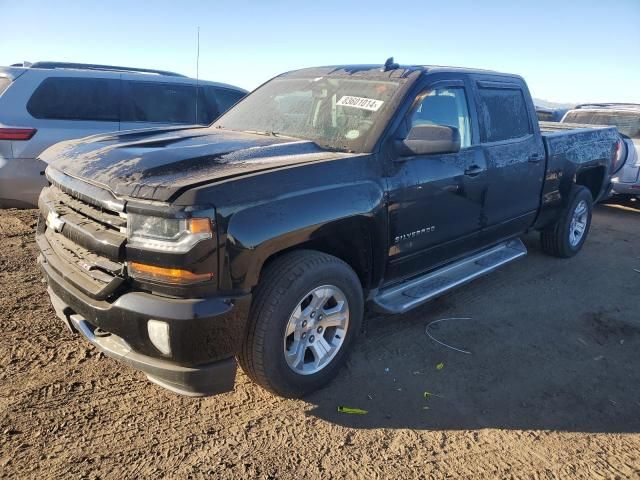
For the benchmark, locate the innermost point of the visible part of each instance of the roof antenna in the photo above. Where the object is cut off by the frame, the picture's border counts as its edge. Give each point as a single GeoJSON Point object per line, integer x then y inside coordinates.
{"type": "Point", "coordinates": [197, 72]}
{"type": "Point", "coordinates": [390, 65]}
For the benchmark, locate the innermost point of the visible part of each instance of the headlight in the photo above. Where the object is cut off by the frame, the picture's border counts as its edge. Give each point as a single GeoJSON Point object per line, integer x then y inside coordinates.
{"type": "Point", "coordinates": [167, 234]}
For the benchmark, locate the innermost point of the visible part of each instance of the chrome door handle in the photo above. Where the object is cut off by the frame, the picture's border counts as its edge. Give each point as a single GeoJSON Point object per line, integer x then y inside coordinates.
{"type": "Point", "coordinates": [473, 170]}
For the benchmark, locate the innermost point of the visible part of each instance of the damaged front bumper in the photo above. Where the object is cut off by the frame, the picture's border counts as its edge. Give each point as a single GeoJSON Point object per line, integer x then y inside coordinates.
{"type": "Point", "coordinates": [218, 377]}
{"type": "Point", "coordinates": [205, 333]}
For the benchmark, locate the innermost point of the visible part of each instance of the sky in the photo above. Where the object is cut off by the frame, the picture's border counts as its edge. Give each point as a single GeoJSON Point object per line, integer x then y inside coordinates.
{"type": "Point", "coordinates": [568, 51]}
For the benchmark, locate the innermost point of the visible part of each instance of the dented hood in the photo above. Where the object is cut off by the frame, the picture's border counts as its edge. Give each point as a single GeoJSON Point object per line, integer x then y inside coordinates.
{"type": "Point", "coordinates": [157, 164]}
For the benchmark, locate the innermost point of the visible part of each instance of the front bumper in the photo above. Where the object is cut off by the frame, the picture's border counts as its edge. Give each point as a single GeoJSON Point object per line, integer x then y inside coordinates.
{"type": "Point", "coordinates": [205, 334]}
{"type": "Point", "coordinates": [217, 377]}
{"type": "Point", "coordinates": [621, 188]}
{"type": "Point", "coordinates": [627, 180]}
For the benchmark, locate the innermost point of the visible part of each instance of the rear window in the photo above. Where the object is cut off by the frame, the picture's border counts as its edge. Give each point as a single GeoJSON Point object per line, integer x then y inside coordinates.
{"type": "Point", "coordinates": [504, 114]}
{"type": "Point", "coordinates": [64, 98]}
{"type": "Point", "coordinates": [167, 103]}
{"type": "Point", "coordinates": [4, 83]}
{"type": "Point", "coordinates": [545, 116]}
{"type": "Point", "coordinates": [627, 122]}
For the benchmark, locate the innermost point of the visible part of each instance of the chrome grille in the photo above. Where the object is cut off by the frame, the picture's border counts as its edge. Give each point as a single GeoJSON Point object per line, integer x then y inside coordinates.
{"type": "Point", "coordinates": [83, 241]}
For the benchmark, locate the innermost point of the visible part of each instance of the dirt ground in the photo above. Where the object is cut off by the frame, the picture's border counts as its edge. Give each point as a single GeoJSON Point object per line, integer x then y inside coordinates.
{"type": "Point", "coordinates": [551, 388]}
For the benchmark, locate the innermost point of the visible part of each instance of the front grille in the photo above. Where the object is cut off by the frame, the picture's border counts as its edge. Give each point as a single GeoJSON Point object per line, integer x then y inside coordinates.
{"type": "Point", "coordinates": [83, 242]}
{"type": "Point", "coordinates": [100, 215]}
{"type": "Point", "coordinates": [97, 230]}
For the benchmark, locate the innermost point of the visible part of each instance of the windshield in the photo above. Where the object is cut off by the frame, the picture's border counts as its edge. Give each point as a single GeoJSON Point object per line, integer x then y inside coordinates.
{"type": "Point", "coordinates": [628, 123]}
{"type": "Point", "coordinates": [336, 113]}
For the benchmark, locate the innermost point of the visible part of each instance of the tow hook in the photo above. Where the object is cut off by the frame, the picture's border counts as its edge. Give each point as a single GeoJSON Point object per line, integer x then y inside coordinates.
{"type": "Point", "coordinates": [98, 332]}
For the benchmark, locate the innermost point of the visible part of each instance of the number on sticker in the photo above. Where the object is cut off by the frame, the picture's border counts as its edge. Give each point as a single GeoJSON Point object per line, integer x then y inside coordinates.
{"type": "Point", "coordinates": [360, 102]}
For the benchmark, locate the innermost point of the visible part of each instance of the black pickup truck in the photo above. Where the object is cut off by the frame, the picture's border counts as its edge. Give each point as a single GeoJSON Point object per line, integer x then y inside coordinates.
{"type": "Point", "coordinates": [263, 236]}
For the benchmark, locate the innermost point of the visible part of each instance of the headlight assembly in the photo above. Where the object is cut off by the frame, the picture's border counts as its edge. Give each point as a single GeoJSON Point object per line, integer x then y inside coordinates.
{"type": "Point", "coordinates": [167, 234]}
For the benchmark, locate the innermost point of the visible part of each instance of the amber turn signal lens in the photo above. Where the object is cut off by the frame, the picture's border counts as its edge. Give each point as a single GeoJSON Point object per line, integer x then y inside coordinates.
{"type": "Point", "coordinates": [167, 275]}
{"type": "Point", "coordinates": [200, 225]}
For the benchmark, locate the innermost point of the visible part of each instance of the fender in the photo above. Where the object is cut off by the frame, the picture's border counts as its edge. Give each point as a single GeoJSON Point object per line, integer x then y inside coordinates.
{"type": "Point", "coordinates": [349, 213]}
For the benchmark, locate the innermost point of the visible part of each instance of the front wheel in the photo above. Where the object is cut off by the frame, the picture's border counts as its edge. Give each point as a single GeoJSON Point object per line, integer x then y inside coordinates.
{"type": "Point", "coordinates": [567, 236]}
{"type": "Point", "coordinates": [305, 315]}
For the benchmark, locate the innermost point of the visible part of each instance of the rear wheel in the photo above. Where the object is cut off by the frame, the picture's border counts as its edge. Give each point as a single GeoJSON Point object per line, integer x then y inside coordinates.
{"type": "Point", "coordinates": [305, 315]}
{"type": "Point", "coordinates": [567, 236]}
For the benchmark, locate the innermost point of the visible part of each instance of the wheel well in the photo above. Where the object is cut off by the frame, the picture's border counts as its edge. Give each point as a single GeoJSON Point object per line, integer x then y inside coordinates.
{"type": "Point", "coordinates": [591, 178]}
{"type": "Point", "coordinates": [355, 250]}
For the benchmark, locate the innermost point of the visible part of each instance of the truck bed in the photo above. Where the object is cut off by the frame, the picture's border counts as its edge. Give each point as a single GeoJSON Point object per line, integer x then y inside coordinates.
{"type": "Point", "coordinates": [577, 143]}
{"type": "Point", "coordinates": [571, 148]}
{"type": "Point", "coordinates": [551, 127]}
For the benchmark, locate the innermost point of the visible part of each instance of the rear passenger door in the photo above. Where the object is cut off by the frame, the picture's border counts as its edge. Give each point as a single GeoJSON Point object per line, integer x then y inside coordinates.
{"type": "Point", "coordinates": [514, 155]}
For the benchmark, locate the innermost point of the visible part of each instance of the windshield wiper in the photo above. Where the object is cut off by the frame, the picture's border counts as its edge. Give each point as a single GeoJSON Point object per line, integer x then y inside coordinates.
{"type": "Point", "coordinates": [329, 148]}
{"type": "Point", "coordinates": [260, 132]}
{"type": "Point", "coordinates": [270, 133]}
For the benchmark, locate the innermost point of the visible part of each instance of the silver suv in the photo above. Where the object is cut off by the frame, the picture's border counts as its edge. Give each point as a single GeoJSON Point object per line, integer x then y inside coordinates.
{"type": "Point", "coordinates": [625, 116]}
{"type": "Point", "coordinates": [48, 102]}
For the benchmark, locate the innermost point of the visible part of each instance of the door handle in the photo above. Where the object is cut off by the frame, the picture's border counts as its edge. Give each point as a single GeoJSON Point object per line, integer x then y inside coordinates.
{"type": "Point", "coordinates": [535, 157]}
{"type": "Point", "coordinates": [473, 170]}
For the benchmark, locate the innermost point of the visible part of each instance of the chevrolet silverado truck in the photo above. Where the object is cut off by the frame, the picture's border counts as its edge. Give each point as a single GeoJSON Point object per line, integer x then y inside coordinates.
{"type": "Point", "coordinates": [261, 238]}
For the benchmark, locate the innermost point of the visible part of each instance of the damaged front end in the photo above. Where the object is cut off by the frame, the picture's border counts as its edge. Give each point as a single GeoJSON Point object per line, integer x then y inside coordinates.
{"type": "Point", "coordinates": [142, 292]}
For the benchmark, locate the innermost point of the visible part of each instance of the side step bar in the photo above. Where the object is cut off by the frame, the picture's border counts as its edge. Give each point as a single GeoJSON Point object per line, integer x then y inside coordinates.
{"type": "Point", "coordinates": [410, 294]}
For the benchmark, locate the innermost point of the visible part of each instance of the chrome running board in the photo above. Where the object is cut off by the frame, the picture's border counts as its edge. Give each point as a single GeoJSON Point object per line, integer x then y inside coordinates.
{"type": "Point", "coordinates": [415, 292]}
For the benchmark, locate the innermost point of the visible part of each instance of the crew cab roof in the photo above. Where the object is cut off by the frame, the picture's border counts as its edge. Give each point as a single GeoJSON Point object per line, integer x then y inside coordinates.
{"type": "Point", "coordinates": [374, 71]}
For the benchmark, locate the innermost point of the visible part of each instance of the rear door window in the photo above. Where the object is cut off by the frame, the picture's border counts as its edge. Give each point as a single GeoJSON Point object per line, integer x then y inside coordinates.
{"type": "Point", "coordinates": [227, 98]}
{"type": "Point", "coordinates": [155, 102]}
{"type": "Point", "coordinates": [208, 107]}
{"type": "Point", "coordinates": [504, 114]}
{"type": "Point", "coordinates": [545, 116]}
{"type": "Point", "coordinates": [69, 98]}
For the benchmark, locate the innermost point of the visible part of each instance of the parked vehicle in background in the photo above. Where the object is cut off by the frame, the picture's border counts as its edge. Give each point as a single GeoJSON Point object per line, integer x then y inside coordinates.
{"type": "Point", "coordinates": [626, 117]}
{"type": "Point", "coordinates": [262, 236]}
{"type": "Point", "coordinates": [48, 102]}
{"type": "Point", "coordinates": [546, 114]}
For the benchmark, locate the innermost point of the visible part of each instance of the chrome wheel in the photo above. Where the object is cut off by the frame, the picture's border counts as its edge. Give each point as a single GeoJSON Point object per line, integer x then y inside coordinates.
{"type": "Point", "coordinates": [316, 330]}
{"type": "Point", "coordinates": [578, 223]}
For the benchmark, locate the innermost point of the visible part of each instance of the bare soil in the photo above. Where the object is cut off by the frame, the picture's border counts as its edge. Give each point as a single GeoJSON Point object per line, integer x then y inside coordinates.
{"type": "Point", "coordinates": [551, 388]}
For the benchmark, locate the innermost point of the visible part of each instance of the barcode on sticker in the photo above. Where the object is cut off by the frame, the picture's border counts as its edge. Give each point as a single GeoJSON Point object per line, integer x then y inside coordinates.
{"type": "Point", "coordinates": [360, 102]}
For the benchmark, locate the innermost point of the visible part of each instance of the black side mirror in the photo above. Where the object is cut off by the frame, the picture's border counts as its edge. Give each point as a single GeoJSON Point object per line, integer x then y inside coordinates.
{"type": "Point", "coordinates": [429, 139]}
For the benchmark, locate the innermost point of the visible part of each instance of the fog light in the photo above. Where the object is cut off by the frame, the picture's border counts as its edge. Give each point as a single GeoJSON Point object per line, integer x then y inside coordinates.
{"type": "Point", "coordinates": [159, 335]}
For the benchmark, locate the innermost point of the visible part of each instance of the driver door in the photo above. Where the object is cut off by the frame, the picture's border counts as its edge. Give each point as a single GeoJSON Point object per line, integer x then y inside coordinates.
{"type": "Point", "coordinates": [436, 201]}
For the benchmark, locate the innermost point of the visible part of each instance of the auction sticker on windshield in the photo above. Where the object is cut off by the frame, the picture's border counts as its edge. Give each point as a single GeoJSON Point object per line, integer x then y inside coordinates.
{"type": "Point", "coordinates": [360, 102]}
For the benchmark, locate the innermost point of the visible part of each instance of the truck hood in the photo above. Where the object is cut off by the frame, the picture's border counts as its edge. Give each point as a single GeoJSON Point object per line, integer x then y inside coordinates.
{"type": "Point", "coordinates": [159, 163]}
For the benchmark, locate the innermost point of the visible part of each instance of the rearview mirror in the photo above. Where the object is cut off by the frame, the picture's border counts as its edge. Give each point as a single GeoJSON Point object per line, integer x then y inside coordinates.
{"type": "Point", "coordinates": [429, 139]}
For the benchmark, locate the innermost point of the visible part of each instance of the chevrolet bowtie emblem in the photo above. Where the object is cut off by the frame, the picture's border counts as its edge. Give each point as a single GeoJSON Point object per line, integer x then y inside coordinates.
{"type": "Point", "coordinates": [55, 222]}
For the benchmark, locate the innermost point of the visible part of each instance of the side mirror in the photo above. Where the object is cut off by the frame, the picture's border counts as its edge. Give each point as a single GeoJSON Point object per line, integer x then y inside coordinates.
{"type": "Point", "coordinates": [429, 139]}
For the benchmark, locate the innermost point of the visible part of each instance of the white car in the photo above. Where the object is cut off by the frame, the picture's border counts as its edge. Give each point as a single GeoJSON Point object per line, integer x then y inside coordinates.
{"type": "Point", "coordinates": [625, 116]}
{"type": "Point", "coordinates": [47, 102]}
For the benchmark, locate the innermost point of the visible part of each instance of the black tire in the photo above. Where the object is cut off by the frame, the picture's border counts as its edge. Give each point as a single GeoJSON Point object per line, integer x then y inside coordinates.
{"type": "Point", "coordinates": [282, 286]}
{"type": "Point", "coordinates": [556, 238]}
